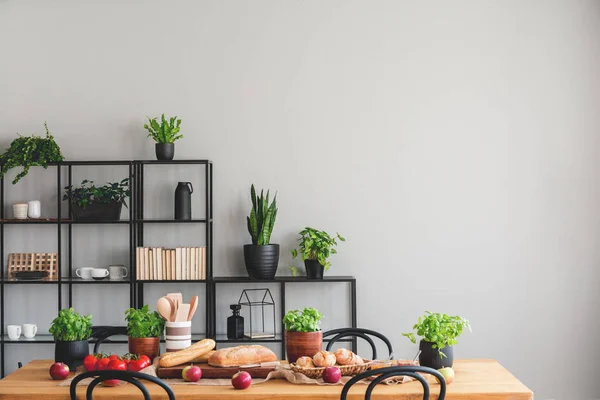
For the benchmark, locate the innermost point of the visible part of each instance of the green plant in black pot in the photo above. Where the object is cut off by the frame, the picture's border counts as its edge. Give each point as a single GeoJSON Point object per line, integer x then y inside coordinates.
{"type": "Point", "coordinates": [165, 132]}
{"type": "Point", "coordinates": [303, 335]}
{"type": "Point", "coordinates": [29, 151]}
{"type": "Point", "coordinates": [97, 203]}
{"type": "Point", "coordinates": [438, 333]}
{"type": "Point", "coordinates": [315, 248]}
{"type": "Point", "coordinates": [144, 329]}
{"type": "Point", "coordinates": [262, 257]}
{"type": "Point", "coordinates": [71, 332]}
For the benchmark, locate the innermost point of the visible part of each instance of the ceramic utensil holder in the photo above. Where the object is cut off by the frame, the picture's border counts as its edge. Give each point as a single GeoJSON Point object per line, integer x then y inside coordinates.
{"type": "Point", "coordinates": [178, 335]}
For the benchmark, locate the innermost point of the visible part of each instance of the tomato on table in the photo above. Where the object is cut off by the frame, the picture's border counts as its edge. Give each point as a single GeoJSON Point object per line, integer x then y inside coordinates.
{"type": "Point", "coordinates": [89, 362]}
{"type": "Point", "coordinates": [102, 364]}
{"type": "Point", "coordinates": [115, 365]}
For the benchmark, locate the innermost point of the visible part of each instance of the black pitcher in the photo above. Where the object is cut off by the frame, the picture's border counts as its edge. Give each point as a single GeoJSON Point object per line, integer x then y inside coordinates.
{"type": "Point", "coordinates": [183, 201]}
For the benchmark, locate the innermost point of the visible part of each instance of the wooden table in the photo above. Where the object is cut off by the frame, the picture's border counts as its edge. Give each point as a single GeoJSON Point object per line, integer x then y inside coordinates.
{"type": "Point", "coordinates": [475, 380]}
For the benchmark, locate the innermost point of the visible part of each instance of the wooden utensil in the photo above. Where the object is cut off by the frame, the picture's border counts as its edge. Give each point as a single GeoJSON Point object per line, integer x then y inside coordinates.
{"type": "Point", "coordinates": [177, 299]}
{"type": "Point", "coordinates": [193, 306]}
{"type": "Point", "coordinates": [182, 312]}
{"type": "Point", "coordinates": [173, 309]}
{"type": "Point", "coordinates": [164, 308]}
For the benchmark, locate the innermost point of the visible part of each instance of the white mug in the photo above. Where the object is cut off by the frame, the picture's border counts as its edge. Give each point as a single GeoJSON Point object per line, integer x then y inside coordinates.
{"type": "Point", "coordinates": [35, 209]}
{"type": "Point", "coordinates": [29, 330]}
{"type": "Point", "coordinates": [99, 273]}
{"type": "Point", "coordinates": [84, 273]}
{"type": "Point", "coordinates": [14, 331]}
{"type": "Point", "coordinates": [20, 210]}
{"type": "Point", "coordinates": [117, 272]}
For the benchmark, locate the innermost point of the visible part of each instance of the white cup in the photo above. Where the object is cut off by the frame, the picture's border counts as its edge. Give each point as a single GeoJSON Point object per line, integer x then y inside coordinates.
{"type": "Point", "coordinates": [34, 209]}
{"type": "Point", "coordinates": [20, 210]}
{"type": "Point", "coordinates": [99, 273]}
{"type": "Point", "coordinates": [117, 272]}
{"type": "Point", "coordinates": [84, 273]}
{"type": "Point", "coordinates": [29, 330]}
{"type": "Point", "coordinates": [14, 331]}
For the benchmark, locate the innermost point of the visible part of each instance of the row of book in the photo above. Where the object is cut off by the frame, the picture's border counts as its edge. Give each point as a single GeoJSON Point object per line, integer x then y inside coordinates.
{"type": "Point", "coordinates": [181, 263]}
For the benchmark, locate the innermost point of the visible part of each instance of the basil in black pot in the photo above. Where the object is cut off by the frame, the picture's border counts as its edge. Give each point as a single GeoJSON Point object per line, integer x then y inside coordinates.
{"type": "Point", "coordinates": [71, 333]}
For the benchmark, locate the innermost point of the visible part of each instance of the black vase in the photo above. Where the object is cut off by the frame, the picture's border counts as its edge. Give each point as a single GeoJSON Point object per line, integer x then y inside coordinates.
{"type": "Point", "coordinates": [71, 353]}
{"type": "Point", "coordinates": [165, 151]}
{"type": "Point", "coordinates": [261, 261]}
{"type": "Point", "coordinates": [97, 212]}
{"type": "Point", "coordinates": [431, 357]}
{"type": "Point", "coordinates": [183, 201]}
{"type": "Point", "coordinates": [314, 269]}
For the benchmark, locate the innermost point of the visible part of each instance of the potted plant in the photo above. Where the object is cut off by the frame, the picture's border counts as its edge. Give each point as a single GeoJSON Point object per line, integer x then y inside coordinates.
{"type": "Point", "coordinates": [165, 133]}
{"type": "Point", "coordinates": [71, 332]}
{"type": "Point", "coordinates": [29, 151]}
{"type": "Point", "coordinates": [315, 248]}
{"type": "Point", "coordinates": [144, 329]}
{"type": "Point", "coordinates": [261, 257]}
{"type": "Point", "coordinates": [91, 203]}
{"type": "Point", "coordinates": [438, 333]}
{"type": "Point", "coordinates": [303, 336]}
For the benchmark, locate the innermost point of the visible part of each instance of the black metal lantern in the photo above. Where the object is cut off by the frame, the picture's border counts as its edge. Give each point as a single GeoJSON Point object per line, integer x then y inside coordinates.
{"type": "Point", "coordinates": [248, 298]}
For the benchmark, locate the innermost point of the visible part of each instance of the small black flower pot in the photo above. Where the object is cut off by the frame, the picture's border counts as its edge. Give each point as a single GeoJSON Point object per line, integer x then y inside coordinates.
{"type": "Point", "coordinates": [314, 270]}
{"type": "Point", "coordinates": [431, 357]}
{"type": "Point", "coordinates": [71, 353]}
{"type": "Point", "coordinates": [97, 212]}
{"type": "Point", "coordinates": [165, 151]}
{"type": "Point", "coordinates": [261, 261]}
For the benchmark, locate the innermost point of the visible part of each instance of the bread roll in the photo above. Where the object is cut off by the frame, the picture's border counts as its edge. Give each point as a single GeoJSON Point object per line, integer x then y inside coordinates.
{"type": "Point", "coordinates": [305, 362]}
{"type": "Point", "coordinates": [358, 360]}
{"type": "Point", "coordinates": [241, 355]}
{"type": "Point", "coordinates": [324, 359]}
{"type": "Point", "coordinates": [188, 354]}
{"type": "Point", "coordinates": [345, 357]}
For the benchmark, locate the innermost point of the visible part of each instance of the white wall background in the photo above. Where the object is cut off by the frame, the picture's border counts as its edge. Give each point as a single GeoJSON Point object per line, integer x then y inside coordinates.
{"type": "Point", "coordinates": [455, 144]}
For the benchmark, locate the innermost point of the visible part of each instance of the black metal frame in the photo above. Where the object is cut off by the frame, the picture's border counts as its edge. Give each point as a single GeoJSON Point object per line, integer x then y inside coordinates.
{"type": "Point", "coordinates": [249, 303]}
{"type": "Point", "coordinates": [362, 333]}
{"type": "Point", "coordinates": [127, 376]}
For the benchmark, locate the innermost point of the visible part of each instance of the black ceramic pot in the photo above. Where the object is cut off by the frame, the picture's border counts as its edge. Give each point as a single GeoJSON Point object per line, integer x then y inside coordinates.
{"type": "Point", "coordinates": [261, 261]}
{"type": "Point", "coordinates": [314, 269]}
{"type": "Point", "coordinates": [165, 151]}
{"type": "Point", "coordinates": [71, 353]}
{"type": "Point", "coordinates": [97, 212]}
{"type": "Point", "coordinates": [431, 357]}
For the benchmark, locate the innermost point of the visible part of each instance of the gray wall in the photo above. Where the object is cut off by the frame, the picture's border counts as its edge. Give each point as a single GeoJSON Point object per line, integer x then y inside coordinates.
{"type": "Point", "coordinates": [455, 144]}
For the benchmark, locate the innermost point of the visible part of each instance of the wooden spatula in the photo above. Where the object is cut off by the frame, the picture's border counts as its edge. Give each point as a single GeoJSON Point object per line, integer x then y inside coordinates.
{"type": "Point", "coordinates": [182, 313]}
{"type": "Point", "coordinates": [193, 306]}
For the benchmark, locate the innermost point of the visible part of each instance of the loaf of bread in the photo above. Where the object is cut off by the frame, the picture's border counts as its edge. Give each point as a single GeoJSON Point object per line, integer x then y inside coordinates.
{"type": "Point", "coordinates": [324, 359]}
{"type": "Point", "coordinates": [203, 359]}
{"type": "Point", "coordinates": [241, 355]}
{"type": "Point", "coordinates": [188, 354]}
{"type": "Point", "coordinates": [305, 362]}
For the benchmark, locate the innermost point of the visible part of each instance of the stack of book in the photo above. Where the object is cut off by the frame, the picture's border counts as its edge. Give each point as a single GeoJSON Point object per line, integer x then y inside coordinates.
{"type": "Point", "coordinates": [181, 263]}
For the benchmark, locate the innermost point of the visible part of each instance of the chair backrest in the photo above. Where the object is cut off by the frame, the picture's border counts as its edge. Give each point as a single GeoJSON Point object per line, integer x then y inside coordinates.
{"type": "Point", "coordinates": [389, 372]}
{"type": "Point", "coordinates": [101, 333]}
{"type": "Point", "coordinates": [343, 333]}
{"type": "Point", "coordinates": [128, 376]}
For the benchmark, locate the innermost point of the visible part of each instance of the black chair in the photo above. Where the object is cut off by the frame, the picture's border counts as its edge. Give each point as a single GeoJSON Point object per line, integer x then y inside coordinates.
{"type": "Point", "coordinates": [103, 332]}
{"type": "Point", "coordinates": [389, 372]}
{"type": "Point", "coordinates": [128, 376]}
{"type": "Point", "coordinates": [365, 334]}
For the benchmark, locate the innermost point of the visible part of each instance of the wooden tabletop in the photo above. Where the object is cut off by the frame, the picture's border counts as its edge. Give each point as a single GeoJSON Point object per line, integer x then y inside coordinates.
{"type": "Point", "coordinates": [475, 379]}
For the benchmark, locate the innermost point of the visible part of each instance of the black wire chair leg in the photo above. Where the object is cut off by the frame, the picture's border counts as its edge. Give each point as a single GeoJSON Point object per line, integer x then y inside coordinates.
{"type": "Point", "coordinates": [383, 377]}
{"type": "Point", "coordinates": [135, 382]}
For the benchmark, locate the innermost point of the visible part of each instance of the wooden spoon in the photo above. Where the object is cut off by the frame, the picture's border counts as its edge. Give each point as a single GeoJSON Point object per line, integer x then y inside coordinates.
{"type": "Point", "coordinates": [164, 307]}
{"type": "Point", "coordinates": [173, 309]}
{"type": "Point", "coordinates": [193, 306]}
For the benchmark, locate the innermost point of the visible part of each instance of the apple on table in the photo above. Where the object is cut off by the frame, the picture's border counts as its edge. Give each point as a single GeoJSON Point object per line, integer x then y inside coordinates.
{"type": "Point", "coordinates": [241, 380]}
{"type": "Point", "coordinates": [191, 373]}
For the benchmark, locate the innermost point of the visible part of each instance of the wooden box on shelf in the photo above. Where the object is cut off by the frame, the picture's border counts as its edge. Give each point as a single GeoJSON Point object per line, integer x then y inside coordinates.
{"type": "Point", "coordinates": [21, 262]}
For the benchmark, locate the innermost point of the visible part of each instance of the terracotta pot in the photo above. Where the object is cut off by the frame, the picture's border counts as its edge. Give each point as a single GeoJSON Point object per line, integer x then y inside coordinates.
{"type": "Point", "coordinates": [298, 344]}
{"type": "Point", "coordinates": [146, 346]}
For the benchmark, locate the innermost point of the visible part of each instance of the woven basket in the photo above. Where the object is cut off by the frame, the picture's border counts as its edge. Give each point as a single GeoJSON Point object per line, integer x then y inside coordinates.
{"type": "Point", "coordinates": [346, 370]}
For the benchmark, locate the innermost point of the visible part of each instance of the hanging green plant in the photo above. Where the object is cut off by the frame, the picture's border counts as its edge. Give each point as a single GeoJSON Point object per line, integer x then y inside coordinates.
{"type": "Point", "coordinates": [30, 151]}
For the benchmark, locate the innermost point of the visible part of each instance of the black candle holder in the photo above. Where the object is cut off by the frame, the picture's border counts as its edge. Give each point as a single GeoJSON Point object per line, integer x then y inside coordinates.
{"type": "Point", "coordinates": [265, 301]}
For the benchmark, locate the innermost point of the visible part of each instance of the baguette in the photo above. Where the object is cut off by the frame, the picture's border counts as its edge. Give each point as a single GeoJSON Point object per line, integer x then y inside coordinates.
{"type": "Point", "coordinates": [241, 355]}
{"type": "Point", "coordinates": [188, 354]}
{"type": "Point", "coordinates": [203, 359]}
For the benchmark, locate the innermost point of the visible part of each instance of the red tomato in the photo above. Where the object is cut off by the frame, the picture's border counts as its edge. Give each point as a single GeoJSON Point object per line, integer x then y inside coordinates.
{"type": "Point", "coordinates": [89, 362]}
{"type": "Point", "coordinates": [146, 361]}
{"type": "Point", "coordinates": [102, 364]}
{"type": "Point", "coordinates": [136, 365]}
{"type": "Point", "coordinates": [114, 357]}
{"type": "Point", "coordinates": [118, 365]}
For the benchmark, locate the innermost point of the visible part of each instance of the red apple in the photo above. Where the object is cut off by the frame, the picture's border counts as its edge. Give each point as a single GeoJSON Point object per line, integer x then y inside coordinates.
{"type": "Point", "coordinates": [448, 374]}
{"type": "Point", "coordinates": [59, 371]}
{"type": "Point", "coordinates": [332, 375]}
{"type": "Point", "coordinates": [241, 380]}
{"type": "Point", "coordinates": [191, 373]}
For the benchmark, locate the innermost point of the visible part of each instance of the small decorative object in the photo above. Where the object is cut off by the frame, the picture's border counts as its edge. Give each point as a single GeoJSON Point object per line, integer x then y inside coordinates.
{"type": "Point", "coordinates": [29, 266]}
{"type": "Point", "coordinates": [20, 210]}
{"type": "Point", "coordinates": [260, 298]}
{"type": "Point", "coordinates": [117, 272]}
{"type": "Point", "coordinates": [315, 249]}
{"type": "Point", "coordinates": [183, 201]}
{"type": "Point", "coordinates": [144, 329]}
{"type": "Point", "coordinates": [29, 330]}
{"type": "Point", "coordinates": [91, 203]}
{"type": "Point", "coordinates": [303, 336]}
{"type": "Point", "coordinates": [35, 209]}
{"type": "Point", "coordinates": [235, 323]}
{"type": "Point", "coordinates": [71, 332]}
{"type": "Point", "coordinates": [165, 133]}
{"type": "Point", "coordinates": [29, 151]}
{"type": "Point", "coordinates": [439, 333]}
{"type": "Point", "coordinates": [261, 257]}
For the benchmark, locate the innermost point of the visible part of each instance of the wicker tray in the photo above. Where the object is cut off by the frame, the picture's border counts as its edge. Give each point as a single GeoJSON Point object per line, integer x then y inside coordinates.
{"type": "Point", "coordinates": [346, 370]}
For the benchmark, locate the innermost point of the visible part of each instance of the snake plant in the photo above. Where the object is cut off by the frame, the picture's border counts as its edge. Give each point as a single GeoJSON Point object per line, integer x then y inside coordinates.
{"type": "Point", "coordinates": [167, 131]}
{"type": "Point", "coordinates": [262, 218]}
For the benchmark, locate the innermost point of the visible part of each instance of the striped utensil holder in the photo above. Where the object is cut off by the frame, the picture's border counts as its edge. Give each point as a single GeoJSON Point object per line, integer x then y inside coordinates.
{"type": "Point", "coordinates": [178, 335]}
